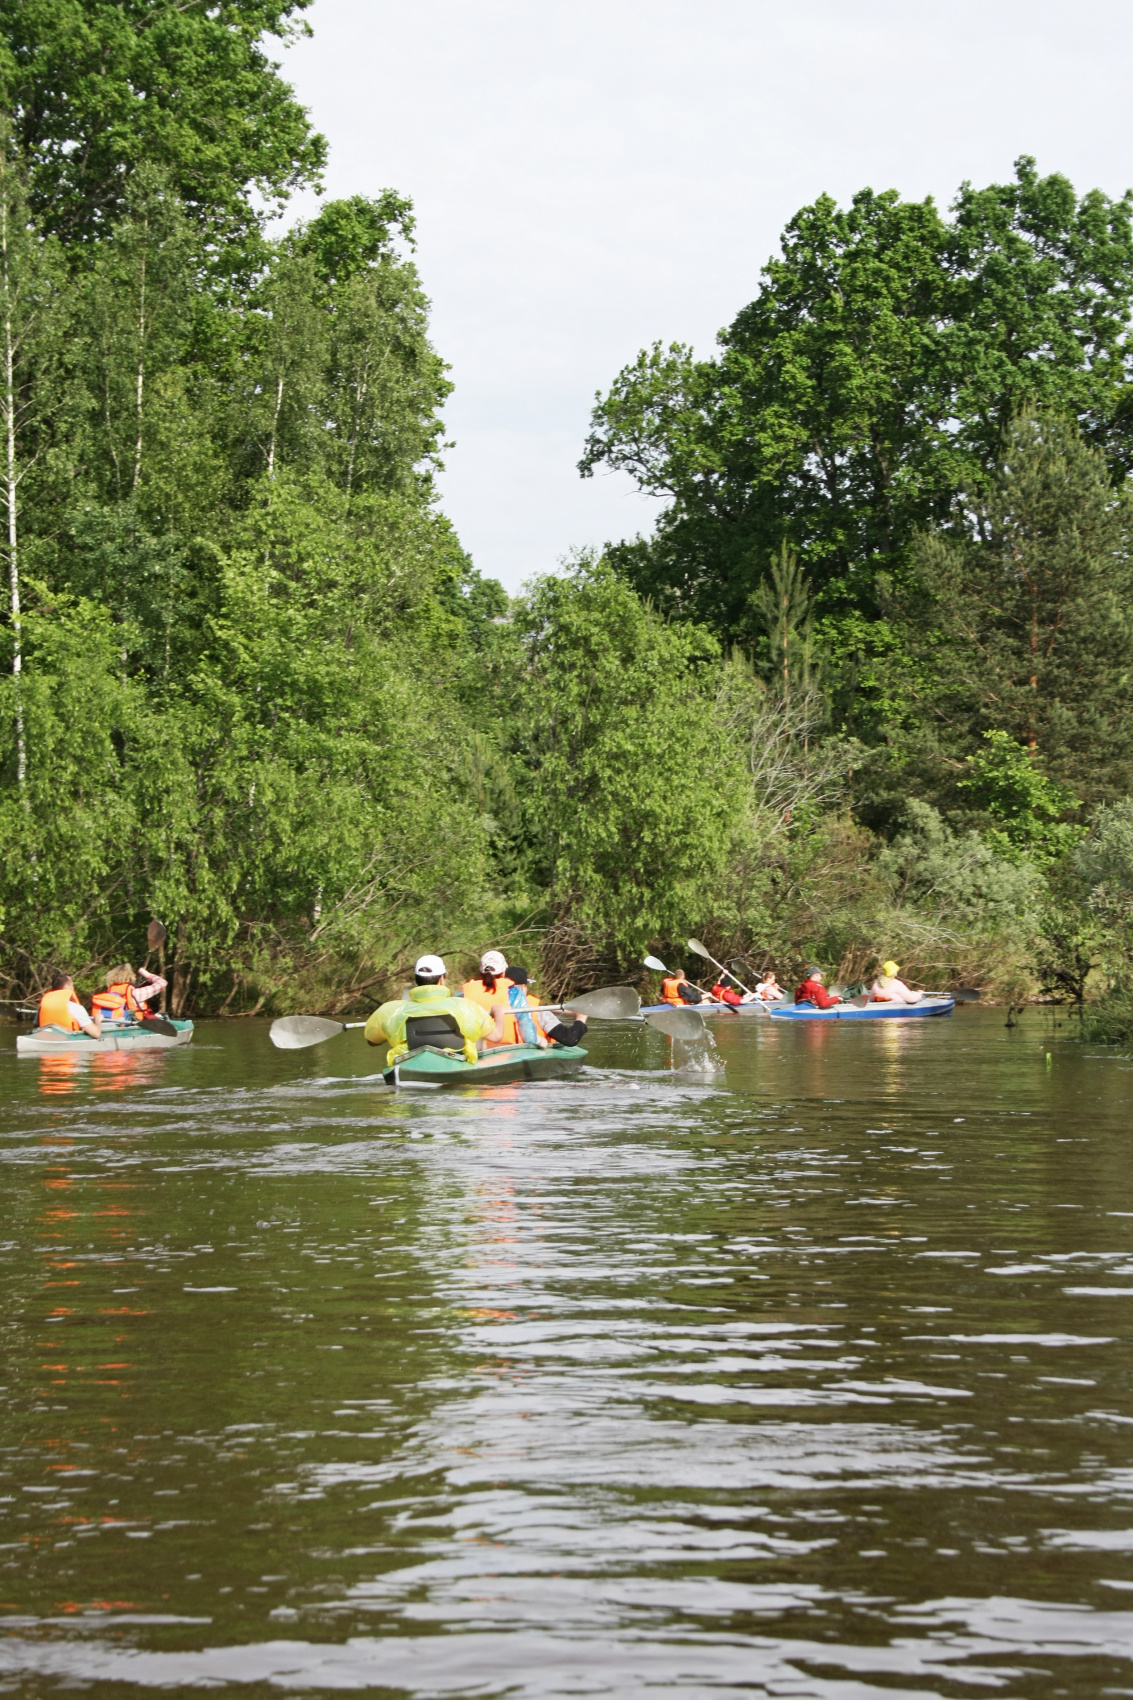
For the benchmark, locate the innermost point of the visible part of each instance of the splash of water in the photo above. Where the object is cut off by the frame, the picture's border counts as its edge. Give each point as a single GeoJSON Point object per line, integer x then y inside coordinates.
{"type": "Point", "coordinates": [697, 1056]}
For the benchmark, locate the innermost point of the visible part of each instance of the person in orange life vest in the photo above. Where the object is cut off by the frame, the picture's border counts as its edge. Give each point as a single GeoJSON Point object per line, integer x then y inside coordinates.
{"type": "Point", "coordinates": [558, 1031]}
{"type": "Point", "coordinates": [124, 999]}
{"type": "Point", "coordinates": [813, 991]}
{"type": "Point", "coordinates": [59, 1007]}
{"type": "Point", "coordinates": [769, 989]}
{"type": "Point", "coordinates": [489, 988]}
{"type": "Point", "coordinates": [887, 988]}
{"type": "Point", "coordinates": [678, 989]}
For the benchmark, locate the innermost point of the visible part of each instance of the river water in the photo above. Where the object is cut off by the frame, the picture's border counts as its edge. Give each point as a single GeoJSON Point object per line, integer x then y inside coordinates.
{"type": "Point", "coordinates": [807, 1377]}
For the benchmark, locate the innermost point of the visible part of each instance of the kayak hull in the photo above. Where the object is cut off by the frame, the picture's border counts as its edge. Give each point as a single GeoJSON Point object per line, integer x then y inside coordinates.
{"type": "Point", "coordinates": [498, 1066]}
{"type": "Point", "coordinates": [756, 1009]}
{"type": "Point", "coordinates": [871, 1012]}
{"type": "Point", "coordinates": [53, 1041]}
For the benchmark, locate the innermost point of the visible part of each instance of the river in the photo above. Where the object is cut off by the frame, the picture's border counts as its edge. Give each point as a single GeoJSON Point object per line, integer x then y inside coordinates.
{"type": "Point", "coordinates": [807, 1377]}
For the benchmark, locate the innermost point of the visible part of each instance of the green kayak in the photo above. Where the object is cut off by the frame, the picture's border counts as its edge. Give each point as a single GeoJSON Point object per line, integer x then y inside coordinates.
{"type": "Point", "coordinates": [431, 1067]}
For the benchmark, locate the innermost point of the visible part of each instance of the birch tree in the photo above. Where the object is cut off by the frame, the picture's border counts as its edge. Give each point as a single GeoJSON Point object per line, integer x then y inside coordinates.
{"type": "Point", "coordinates": [29, 314]}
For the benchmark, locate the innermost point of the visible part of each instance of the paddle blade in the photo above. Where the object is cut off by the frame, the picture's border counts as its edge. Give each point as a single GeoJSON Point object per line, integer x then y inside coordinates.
{"type": "Point", "coordinates": [699, 950]}
{"type": "Point", "coordinates": [657, 967]}
{"type": "Point", "coordinates": [155, 935]}
{"type": "Point", "coordinates": [608, 1003]}
{"type": "Point", "coordinates": [296, 1032]}
{"type": "Point", "coordinates": [158, 1024]}
{"type": "Point", "coordinates": [685, 1024]}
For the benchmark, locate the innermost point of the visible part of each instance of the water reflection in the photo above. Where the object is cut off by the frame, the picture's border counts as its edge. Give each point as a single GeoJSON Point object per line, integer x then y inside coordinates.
{"type": "Point", "coordinates": [809, 1379]}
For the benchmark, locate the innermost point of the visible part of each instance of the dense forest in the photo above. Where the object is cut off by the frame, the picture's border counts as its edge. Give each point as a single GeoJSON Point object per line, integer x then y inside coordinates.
{"type": "Point", "coordinates": [866, 691]}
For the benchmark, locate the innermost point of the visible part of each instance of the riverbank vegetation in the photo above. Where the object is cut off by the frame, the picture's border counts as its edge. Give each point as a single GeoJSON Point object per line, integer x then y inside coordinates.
{"type": "Point", "coordinates": [864, 692]}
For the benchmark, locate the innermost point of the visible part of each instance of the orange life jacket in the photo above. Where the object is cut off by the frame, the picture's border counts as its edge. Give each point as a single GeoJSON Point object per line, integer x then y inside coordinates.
{"type": "Point", "coordinates": [477, 992]}
{"type": "Point", "coordinates": [53, 1011]}
{"type": "Point", "coordinates": [670, 991]}
{"type": "Point", "coordinates": [116, 1003]}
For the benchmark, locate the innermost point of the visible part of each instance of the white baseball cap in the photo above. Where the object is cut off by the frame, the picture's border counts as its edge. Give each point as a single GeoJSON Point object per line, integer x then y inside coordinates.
{"type": "Point", "coordinates": [492, 962]}
{"type": "Point", "coordinates": [431, 966]}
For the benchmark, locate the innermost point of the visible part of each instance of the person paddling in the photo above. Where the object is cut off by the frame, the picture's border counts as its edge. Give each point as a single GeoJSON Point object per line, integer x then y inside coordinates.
{"type": "Point", "coordinates": [678, 989]}
{"type": "Point", "coordinates": [813, 991]}
{"type": "Point", "coordinates": [769, 989]}
{"type": "Point", "coordinates": [728, 994]}
{"type": "Point", "coordinates": [888, 988]}
{"type": "Point", "coordinates": [59, 1007]}
{"type": "Point", "coordinates": [490, 987]}
{"type": "Point", "coordinates": [123, 998]}
{"type": "Point", "coordinates": [438, 1017]}
{"type": "Point", "coordinates": [544, 1024]}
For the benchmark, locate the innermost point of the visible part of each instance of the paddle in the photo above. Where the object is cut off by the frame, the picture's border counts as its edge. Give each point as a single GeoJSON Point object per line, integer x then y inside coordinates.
{"type": "Point", "coordinates": [684, 1024]}
{"type": "Point", "coordinates": [608, 1003]}
{"type": "Point", "coordinates": [156, 935]}
{"type": "Point", "coordinates": [158, 1024]}
{"type": "Point", "coordinates": [296, 1032]}
{"type": "Point", "coordinates": [965, 996]}
{"type": "Point", "coordinates": [658, 967]}
{"type": "Point", "coordinates": [699, 950]}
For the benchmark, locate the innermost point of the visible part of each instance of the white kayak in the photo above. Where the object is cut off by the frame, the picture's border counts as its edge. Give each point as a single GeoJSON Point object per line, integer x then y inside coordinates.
{"type": "Point", "coordinates": [132, 1036]}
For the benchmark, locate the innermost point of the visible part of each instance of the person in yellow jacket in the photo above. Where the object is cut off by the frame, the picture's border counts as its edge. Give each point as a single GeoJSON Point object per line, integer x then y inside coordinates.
{"type": "Point", "coordinates": [59, 1007]}
{"type": "Point", "coordinates": [430, 997]}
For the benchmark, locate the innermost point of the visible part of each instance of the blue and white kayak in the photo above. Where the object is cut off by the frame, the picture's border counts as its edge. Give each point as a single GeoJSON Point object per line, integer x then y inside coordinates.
{"type": "Point", "coordinates": [870, 1012]}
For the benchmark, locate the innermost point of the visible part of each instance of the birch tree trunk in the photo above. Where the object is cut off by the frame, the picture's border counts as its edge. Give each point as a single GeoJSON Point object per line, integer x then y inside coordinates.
{"type": "Point", "coordinates": [11, 475]}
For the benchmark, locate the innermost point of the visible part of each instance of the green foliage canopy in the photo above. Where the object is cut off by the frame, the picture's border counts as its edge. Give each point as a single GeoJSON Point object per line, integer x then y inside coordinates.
{"type": "Point", "coordinates": [874, 376]}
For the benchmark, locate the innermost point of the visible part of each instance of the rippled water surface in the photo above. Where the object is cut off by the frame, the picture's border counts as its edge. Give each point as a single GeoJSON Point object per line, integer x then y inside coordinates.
{"type": "Point", "coordinates": [810, 1377]}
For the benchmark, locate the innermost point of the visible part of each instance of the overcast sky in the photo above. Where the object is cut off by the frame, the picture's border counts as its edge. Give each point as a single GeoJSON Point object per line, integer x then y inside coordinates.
{"type": "Point", "coordinates": [591, 175]}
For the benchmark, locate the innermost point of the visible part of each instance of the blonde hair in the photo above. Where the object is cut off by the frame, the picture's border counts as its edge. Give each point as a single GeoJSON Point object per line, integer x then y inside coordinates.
{"type": "Point", "coordinates": [120, 976]}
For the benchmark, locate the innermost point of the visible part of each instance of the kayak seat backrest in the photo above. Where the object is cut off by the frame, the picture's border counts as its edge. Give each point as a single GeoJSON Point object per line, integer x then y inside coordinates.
{"type": "Point", "coordinates": [440, 1030]}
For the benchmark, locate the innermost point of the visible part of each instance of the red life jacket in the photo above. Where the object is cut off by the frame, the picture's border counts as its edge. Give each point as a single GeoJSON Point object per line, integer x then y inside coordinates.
{"type": "Point", "coordinates": [726, 994]}
{"type": "Point", "coordinates": [53, 1011]}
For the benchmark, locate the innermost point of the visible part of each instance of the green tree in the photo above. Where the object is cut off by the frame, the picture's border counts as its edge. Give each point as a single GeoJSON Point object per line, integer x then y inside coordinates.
{"type": "Point", "coordinates": [632, 794]}
{"type": "Point", "coordinates": [97, 88]}
{"type": "Point", "coordinates": [1020, 613]}
{"type": "Point", "coordinates": [32, 309]}
{"type": "Point", "coordinates": [873, 377]}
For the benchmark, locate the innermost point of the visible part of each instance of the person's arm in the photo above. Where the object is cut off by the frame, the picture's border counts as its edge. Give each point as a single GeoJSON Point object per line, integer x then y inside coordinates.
{"type": "Point", "coordinates": [498, 1012]}
{"type": "Point", "coordinates": [156, 985]}
{"type": "Point", "coordinates": [91, 1024]}
{"type": "Point", "coordinates": [375, 1033]}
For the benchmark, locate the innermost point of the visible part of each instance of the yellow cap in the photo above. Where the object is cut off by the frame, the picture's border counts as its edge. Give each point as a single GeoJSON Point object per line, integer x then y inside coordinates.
{"type": "Point", "coordinates": [890, 970]}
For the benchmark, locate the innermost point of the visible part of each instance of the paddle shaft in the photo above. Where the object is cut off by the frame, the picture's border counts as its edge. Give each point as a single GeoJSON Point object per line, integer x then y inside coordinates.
{"type": "Point", "coordinates": [720, 966]}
